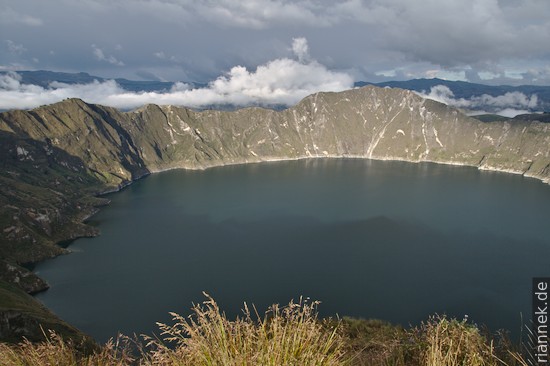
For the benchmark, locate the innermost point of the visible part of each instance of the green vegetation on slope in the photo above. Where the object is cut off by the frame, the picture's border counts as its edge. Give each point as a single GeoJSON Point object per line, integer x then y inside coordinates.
{"type": "Point", "coordinates": [45, 195]}
{"type": "Point", "coordinates": [23, 316]}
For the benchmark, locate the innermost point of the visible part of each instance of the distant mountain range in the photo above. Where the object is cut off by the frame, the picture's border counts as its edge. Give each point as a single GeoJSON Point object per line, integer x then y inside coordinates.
{"type": "Point", "coordinates": [466, 90]}
{"type": "Point", "coordinates": [479, 97]}
{"type": "Point", "coordinates": [44, 78]}
{"type": "Point", "coordinates": [472, 97]}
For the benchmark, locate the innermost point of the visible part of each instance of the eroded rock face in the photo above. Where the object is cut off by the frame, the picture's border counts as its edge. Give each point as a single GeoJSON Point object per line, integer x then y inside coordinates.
{"type": "Point", "coordinates": [370, 122]}
{"type": "Point", "coordinates": [22, 278]}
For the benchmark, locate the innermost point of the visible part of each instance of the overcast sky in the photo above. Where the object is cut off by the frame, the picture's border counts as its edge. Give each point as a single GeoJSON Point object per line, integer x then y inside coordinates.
{"type": "Point", "coordinates": [499, 41]}
{"type": "Point", "coordinates": [271, 52]}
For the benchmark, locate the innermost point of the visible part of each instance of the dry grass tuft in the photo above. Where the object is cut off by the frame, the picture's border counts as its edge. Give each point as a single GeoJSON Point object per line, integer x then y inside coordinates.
{"type": "Point", "coordinates": [437, 342]}
{"type": "Point", "coordinates": [56, 351]}
{"type": "Point", "coordinates": [459, 343]}
{"type": "Point", "coordinates": [453, 342]}
{"type": "Point", "coordinates": [290, 335]}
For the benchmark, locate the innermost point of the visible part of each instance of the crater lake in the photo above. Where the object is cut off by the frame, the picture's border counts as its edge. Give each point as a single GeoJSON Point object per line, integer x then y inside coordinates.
{"type": "Point", "coordinates": [374, 239]}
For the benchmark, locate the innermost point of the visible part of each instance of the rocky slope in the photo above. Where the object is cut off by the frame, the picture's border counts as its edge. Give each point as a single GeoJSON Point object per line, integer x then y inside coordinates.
{"type": "Point", "coordinates": [55, 159]}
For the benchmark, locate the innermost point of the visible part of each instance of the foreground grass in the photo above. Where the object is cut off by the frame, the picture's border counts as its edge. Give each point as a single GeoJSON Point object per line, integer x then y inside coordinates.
{"type": "Point", "coordinates": [283, 336]}
{"type": "Point", "coordinates": [289, 335]}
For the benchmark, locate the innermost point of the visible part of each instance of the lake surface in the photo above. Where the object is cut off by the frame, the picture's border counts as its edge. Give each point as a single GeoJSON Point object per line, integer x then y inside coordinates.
{"type": "Point", "coordinates": [374, 239]}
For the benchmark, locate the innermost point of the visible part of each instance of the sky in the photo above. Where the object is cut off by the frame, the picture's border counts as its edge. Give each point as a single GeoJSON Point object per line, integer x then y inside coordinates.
{"type": "Point", "coordinates": [278, 50]}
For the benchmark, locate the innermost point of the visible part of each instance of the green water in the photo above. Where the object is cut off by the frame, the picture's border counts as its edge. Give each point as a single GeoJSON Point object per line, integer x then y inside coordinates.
{"type": "Point", "coordinates": [388, 240]}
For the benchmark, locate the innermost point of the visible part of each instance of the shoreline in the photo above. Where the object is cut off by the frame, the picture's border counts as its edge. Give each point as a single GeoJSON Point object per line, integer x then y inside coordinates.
{"type": "Point", "coordinates": [306, 157]}
{"type": "Point", "coordinates": [267, 160]}
{"type": "Point", "coordinates": [112, 190]}
{"type": "Point", "coordinates": [308, 161]}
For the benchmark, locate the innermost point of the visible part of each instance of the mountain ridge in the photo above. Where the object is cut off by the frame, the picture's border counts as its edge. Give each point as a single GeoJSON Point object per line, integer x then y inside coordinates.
{"type": "Point", "coordinates": [44, 78]}
{"type": "Point", "coordinates": [127, 122]}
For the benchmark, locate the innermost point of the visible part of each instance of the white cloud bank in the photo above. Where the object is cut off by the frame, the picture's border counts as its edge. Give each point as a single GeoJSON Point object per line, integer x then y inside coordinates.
{"type": "Point", "coordinates": [281, 81]}
{"type": "Point", "coordinates": [509, 105]}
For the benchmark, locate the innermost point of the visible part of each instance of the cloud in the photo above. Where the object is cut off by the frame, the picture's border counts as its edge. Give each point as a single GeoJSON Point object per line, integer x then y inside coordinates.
{"type": "Point", "coordinates": [462, 33]}
{"type": "Point", "coordinates": [539, 76]}
{"type": "Point", "coordinates": [511, 112]}
{"type": "Point", "coordinates": [160, 55]}
{"type": "Point", "coordinates": [15, 48]}
{"type": "Point", "coordinates": [300, 49]}
{"type": "Point", "coordinates": [364, 36]}
{"type": "Point", "coordinates": [163, 56]}
{"type": "Point", "coordinates": [9, 16]}
{"type": "Point", "coordinates": [10, 81]}
{"type": "Point", "coordinates": [254, 14]}
{"type": "Point", "coordinates": [100, 55]}
{"type": "Point", "coordinates": [509, 104]}
{"type": "Point", "coordinates": [260, 14]}
{"type": "Point", "coordinates": [281, 81]}
{"type": "Point", "coordinates": [14, 94]}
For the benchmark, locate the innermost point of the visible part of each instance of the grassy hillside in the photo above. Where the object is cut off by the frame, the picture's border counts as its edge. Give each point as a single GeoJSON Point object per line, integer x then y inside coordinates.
{"type": "Point", "coordinates": [23, 316]}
